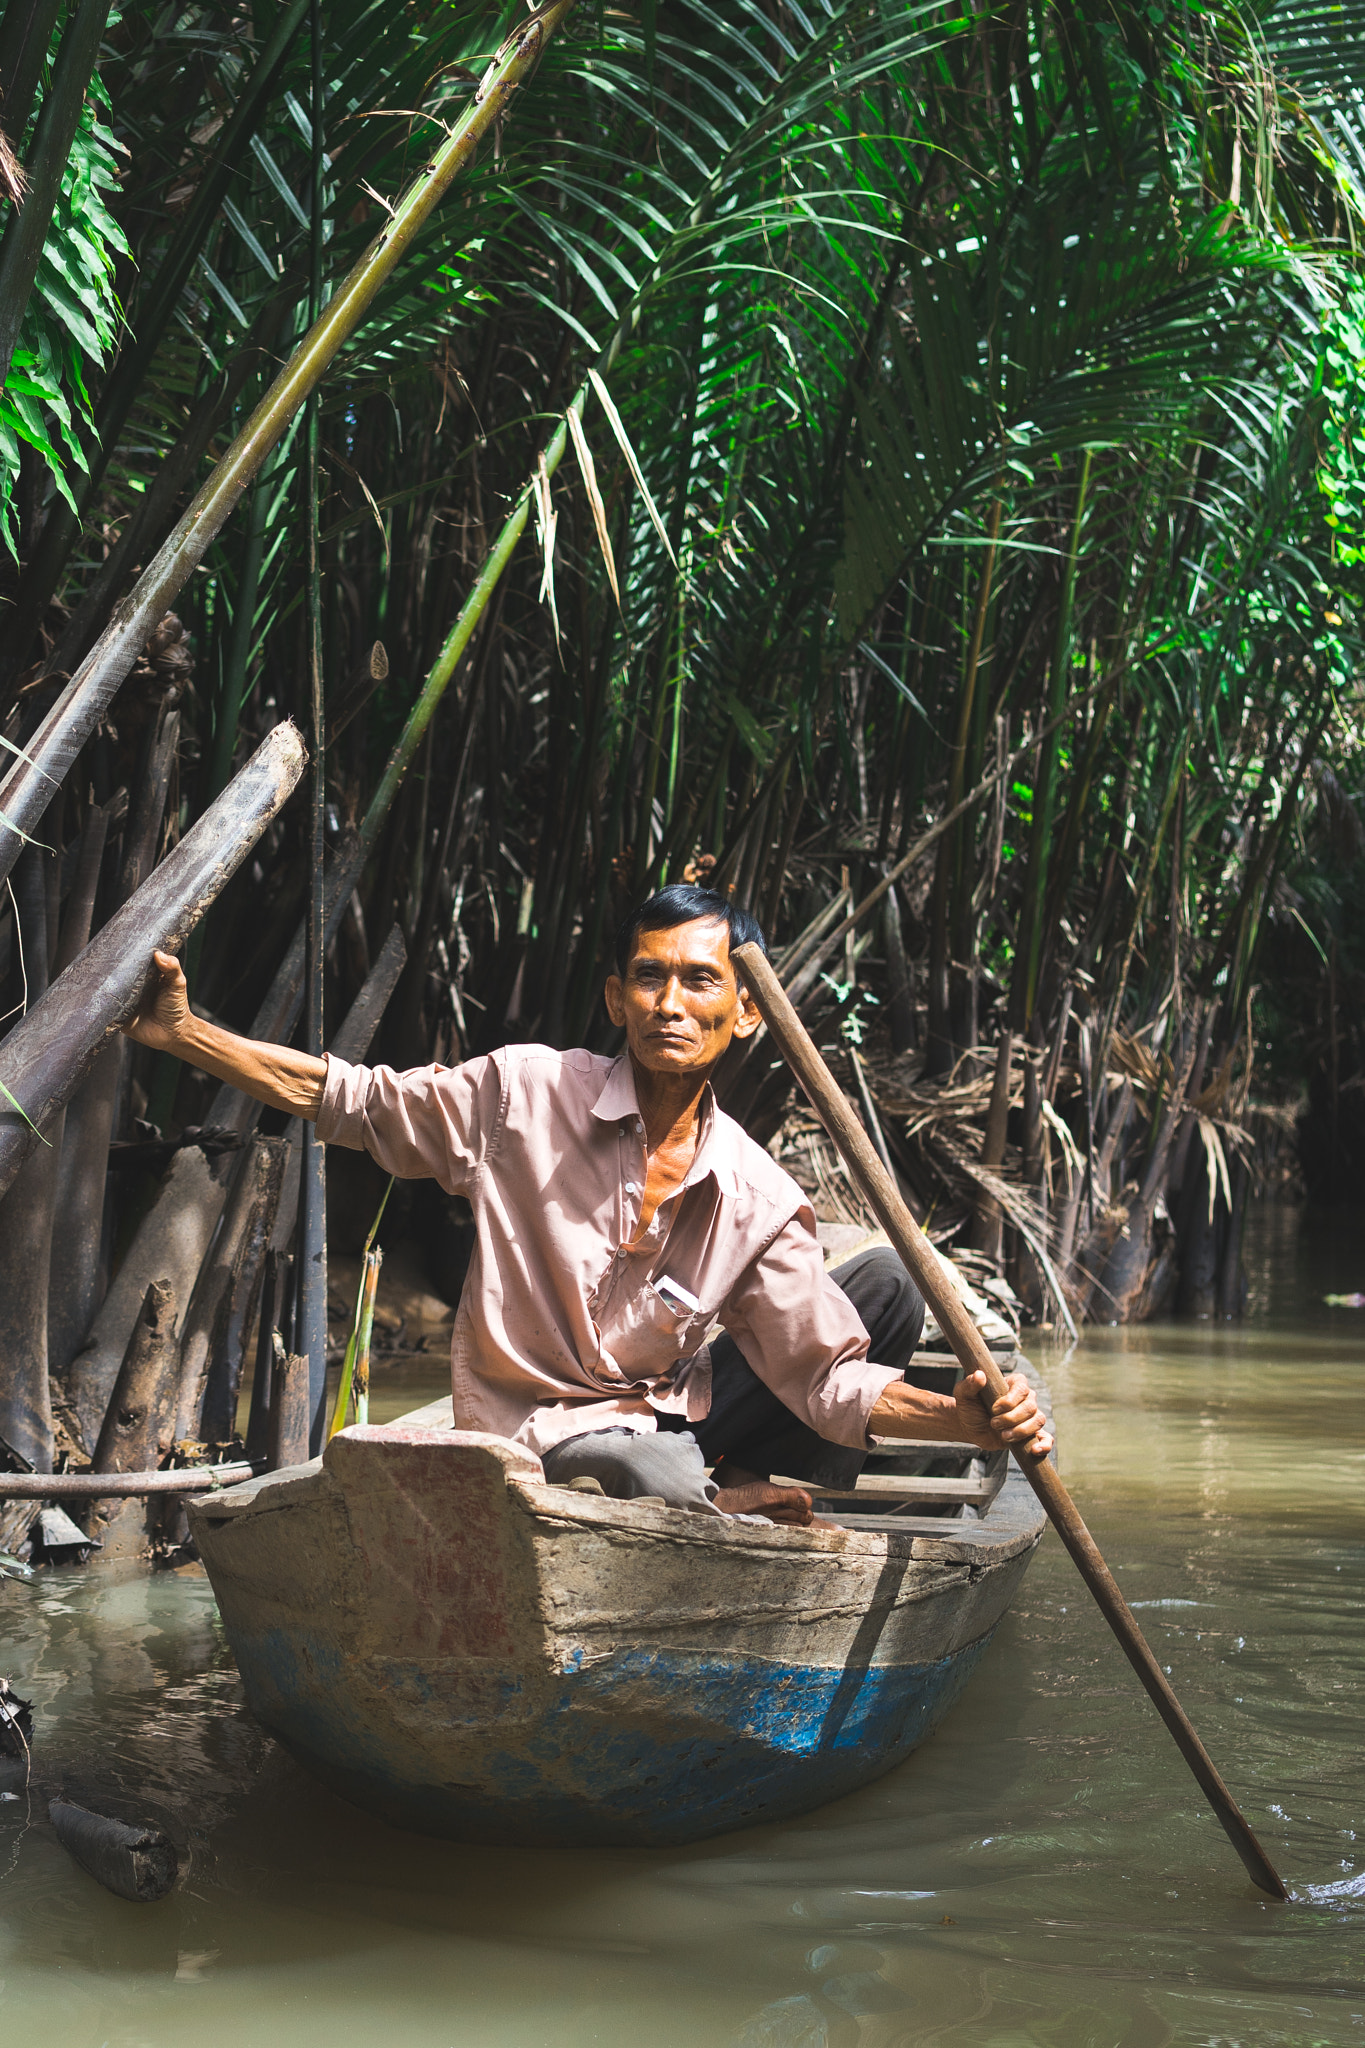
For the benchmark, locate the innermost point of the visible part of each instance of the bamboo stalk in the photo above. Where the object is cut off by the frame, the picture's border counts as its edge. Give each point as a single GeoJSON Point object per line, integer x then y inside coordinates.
{"type": "Point", "coordinates": [27, 786]}
{"type": "Point", "coordinates": [25, 33]}
{"type": "Point", "coordinates": [925, 1268]}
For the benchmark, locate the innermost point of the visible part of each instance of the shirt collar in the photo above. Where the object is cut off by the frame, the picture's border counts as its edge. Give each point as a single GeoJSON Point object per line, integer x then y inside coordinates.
{"type": "Point", "coordinates": [618, 1098]}
{"type": "Point", "coordinates": [618, 1101]}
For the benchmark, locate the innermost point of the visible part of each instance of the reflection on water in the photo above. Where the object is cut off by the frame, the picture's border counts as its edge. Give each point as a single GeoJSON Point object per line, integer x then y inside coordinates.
{"type": "Point", "coordinates": [1040, 1873]}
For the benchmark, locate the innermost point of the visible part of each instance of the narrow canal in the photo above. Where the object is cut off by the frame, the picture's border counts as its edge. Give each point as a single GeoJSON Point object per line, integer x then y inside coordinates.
{"type": "Point", "coordinates": [1042, 1872]}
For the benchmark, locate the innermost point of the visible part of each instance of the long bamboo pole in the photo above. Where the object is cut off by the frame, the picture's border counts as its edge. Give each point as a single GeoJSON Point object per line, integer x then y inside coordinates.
{"type": "Point", "coordinates": [26, 789]}
{"type": "Point", "coordinates": [922, 1263]}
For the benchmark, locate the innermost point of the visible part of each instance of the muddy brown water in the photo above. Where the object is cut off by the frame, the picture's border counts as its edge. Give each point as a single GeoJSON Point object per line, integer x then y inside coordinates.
{"type": "Point", "coordinates": [1041, 1872]}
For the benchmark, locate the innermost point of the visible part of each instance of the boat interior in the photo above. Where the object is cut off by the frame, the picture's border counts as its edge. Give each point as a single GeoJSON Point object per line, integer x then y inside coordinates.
{"type": "Point", "coordinates": [907, 1484]}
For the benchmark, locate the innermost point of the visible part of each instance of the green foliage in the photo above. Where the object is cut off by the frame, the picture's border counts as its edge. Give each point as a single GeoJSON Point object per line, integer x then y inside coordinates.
{"type": "Point", "coordinates": [870, 288]}
{"type": "Point", "coordinates": [71, 323]}
{"type": "Point", "coordinates": [1341, 470]}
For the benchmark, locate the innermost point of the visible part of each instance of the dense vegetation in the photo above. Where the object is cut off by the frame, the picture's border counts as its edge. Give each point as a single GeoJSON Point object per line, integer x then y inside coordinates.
{"type": "Point", "coordinates": [915, 413]}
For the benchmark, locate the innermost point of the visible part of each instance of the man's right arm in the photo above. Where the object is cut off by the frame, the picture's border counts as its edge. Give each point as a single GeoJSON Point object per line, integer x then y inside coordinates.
{"type": "Point", "coordinates": [273, 1074]}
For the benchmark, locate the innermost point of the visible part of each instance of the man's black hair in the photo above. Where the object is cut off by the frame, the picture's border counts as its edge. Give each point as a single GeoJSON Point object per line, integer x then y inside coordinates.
{"type": "Point", "coordinates": [682, 903]}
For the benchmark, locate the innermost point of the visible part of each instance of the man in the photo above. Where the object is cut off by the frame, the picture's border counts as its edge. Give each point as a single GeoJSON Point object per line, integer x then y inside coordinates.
{"type": "Point", "coordinates": [620, 1215]}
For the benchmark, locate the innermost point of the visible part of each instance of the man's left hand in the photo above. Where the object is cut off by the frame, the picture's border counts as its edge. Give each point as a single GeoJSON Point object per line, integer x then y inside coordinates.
{"type": "Point", "coordinates": [1015, 1419]}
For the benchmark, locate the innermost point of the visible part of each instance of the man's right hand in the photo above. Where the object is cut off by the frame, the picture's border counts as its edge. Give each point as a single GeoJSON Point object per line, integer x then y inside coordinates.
{"type": "Point", "coordinates": [275, 1074]}
{"type": "Point", "coordinates": [164, 1012]}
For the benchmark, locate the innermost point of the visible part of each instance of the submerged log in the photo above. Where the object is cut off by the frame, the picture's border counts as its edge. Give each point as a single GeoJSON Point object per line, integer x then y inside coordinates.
{"type": "Point", "coordinates": [138, 1863]}
{"type": "Point", "coordinates": [45, 1058]}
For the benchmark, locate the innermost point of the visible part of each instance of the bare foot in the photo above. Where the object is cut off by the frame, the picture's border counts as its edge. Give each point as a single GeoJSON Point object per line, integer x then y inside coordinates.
{"type": "Point", "coordinates": [789, 1505]}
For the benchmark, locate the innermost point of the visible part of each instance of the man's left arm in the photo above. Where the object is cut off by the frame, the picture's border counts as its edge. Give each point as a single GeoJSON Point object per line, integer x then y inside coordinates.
{"type": "Point", "coordinates": [805, 1341]}
{"type": "Point", "coordinates": [1015, 1419]}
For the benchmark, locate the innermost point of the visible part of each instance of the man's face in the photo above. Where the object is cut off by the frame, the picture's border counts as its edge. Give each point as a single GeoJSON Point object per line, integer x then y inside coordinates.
{"type": "Point", "coordinates": [679, 1000]}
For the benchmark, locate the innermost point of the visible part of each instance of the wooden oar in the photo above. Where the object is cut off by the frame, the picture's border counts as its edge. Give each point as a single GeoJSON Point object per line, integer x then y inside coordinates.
{"type": "Point", "coordinates": [923, 1264]}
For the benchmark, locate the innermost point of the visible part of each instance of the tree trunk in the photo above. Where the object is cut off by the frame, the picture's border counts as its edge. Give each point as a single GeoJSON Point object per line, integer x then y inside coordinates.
{"type": "Point", "coordinates": [139, 1419]}
{"type": "Point", "coordinates": [46, 1057]}
{"type": "Point", "coordinates": [59, 117]}
{"type": "Point", "coordinates": [289, 1413]}
{"type": "Point", "coordinates": [1231, 1280]}
{"type": "Point", "coordinates": [1201, 1229]}
{"type": "Point", "coordinates": [988, 1228]}
{"type": "Point", "coordinates": [899, 989]}
{"type": "Point", "coordinates": [78, 1282]}
{"type": "Point", "coordinates": [176, 1231]}
{"type": "Point", "coordinates": [275, 1285]}
{"type": "Point", "coordinates": [250, 1206]}
{"type": "Point", "coordinates": [1100, 1237]}
{"type": "Point", "coordinates": [1124, 1278]}
{"type": "Point", "coordinates": [26, 1222]}
{"type": "Point", "coordinates": [141, 1410]}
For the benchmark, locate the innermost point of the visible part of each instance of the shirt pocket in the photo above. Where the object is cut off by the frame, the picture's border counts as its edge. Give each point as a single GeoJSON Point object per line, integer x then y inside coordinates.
{"type": "Point", "coordinates": [645, 1335]}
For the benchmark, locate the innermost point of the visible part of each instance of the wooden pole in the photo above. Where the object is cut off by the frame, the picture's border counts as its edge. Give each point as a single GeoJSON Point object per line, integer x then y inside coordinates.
{"type": "Point", "coordinates": [925, 1268]}
{"type": "Point", "coordinates": [289, 1412]}
{"type": "Point", "coordinates": [126, 1485]}
{"type": "Point", "coordinates": [50, 1051]}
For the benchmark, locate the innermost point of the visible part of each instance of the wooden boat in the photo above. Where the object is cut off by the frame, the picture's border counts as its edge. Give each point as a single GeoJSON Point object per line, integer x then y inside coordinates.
{"type": "Point", "coordinates": [467, 1651]}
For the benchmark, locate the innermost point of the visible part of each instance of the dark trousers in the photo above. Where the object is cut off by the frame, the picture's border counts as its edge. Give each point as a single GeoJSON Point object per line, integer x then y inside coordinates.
{"type": "Point", "coordinates": [749, 1428]}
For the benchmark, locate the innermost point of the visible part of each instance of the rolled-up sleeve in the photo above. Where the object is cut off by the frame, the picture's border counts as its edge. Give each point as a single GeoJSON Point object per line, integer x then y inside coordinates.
{"type": "Point", "coordinates": [428, 1123]}
{"type": "Point", "coordinates": [804, 1338]}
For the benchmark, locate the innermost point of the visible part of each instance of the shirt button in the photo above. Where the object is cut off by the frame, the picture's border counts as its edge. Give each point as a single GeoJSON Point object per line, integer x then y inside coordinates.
{"type": "Point", "coordinates": [639, 1128]}
{"type": "Point", "coordinates": [631, 1188]}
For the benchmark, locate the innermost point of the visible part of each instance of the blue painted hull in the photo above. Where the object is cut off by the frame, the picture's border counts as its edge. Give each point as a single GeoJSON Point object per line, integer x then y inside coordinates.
{"type": "Point", "coordinates": [659, 1748]}
{"type": "Point", "coordinates": [468, 1652]}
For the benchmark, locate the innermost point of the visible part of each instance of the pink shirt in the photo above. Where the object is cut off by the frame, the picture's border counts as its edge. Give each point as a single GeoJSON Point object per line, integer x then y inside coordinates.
{"type": "Point", "coordinates": [565, 1323]}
